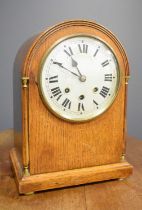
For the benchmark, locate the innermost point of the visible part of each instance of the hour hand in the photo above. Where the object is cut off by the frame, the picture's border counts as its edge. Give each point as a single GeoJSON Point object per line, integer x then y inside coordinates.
{"type": "Point", "coordinates": [75, 64]}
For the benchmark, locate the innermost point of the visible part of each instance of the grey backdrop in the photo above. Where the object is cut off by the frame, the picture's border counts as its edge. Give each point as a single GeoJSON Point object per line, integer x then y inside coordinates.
{"type": "Point", "coordinates": [21, 19]}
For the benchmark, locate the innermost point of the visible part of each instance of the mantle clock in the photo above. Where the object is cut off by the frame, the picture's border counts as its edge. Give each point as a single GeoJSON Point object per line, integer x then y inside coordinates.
{"type": "Point", "coordinates": [70, 91]}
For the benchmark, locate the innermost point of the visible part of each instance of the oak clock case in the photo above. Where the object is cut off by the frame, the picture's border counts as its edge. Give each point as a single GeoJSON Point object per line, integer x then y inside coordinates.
{"type": "Point", "coordinates": [71, 127]}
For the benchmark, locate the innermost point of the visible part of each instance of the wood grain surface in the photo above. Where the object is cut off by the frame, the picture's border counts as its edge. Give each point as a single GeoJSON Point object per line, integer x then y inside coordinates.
{"type": "Point", "coordinates": [109, 195]}
{"type": "Point", "coordinates": [58, 145]}
{"type": "Point", "coordinates": [28, 184]}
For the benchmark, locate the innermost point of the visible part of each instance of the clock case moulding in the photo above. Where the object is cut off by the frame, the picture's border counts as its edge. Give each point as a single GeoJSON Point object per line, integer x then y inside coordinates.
{"type": "Point", "coordinates": [50, 152]}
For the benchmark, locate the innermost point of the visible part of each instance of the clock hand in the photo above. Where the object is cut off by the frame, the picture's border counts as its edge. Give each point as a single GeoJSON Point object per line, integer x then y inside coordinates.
{"type": "Point", "coordinates": [75, 64]}
{"type": "Point", "coordinates": [61, 65]}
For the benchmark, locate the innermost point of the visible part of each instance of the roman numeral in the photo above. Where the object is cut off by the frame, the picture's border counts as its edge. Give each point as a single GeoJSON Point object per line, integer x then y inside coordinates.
{"type": "Point", "coordinates": [81, 107]}
{"type": "Point", "coordinates": [53, 79]}
{"type": "Point", "coordinates": [69, 52]}
{"type": "Point", "coordinates": [59, 97]}
{"type": "Point", "coordinates": [55, 91]}
{"type": "Point", "coordinates": [83, 48]}
{"type": "Point", "coordinates": [67, 103]}
{"type": "Point", "coordinates": [104, 91]}
{"type": "Point", "coordinates": [96, 51]}
{"type": "Point", "coordinates": [95, 102]}
{"type": "Point", "coordinates": [108, 77]}
{"type": "Point", "coordinates": [105, 63]}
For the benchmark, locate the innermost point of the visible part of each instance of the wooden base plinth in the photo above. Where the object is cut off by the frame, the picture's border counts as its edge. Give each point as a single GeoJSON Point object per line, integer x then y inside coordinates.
{"type": "Point", "coordinates": [27, 184]}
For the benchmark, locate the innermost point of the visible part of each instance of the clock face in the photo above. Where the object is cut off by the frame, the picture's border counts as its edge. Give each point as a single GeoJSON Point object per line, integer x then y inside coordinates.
{"type": "Point", "coordinates": [79, 78]}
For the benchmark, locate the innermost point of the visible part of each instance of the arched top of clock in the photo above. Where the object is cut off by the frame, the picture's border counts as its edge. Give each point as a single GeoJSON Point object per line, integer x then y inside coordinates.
{"type": "Point", "coordinates": [46, 39]}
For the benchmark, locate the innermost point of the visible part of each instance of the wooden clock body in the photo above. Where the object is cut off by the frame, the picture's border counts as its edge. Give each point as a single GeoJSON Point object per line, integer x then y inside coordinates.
{"type": "Point", "coordinates": [50, 152]}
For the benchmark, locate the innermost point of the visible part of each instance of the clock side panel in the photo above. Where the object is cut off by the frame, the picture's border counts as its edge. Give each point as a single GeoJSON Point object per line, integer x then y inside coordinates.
{"type": "Point", "coordinates": [17, 111]}
{"type": "Point", "coordinates": [17, 95]}
{"type": "Point", "coordinates": [57, 145]}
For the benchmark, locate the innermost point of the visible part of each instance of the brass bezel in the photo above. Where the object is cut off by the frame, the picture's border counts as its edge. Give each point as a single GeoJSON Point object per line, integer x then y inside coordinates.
{"type": "Point", "coordinates": [76, 120]}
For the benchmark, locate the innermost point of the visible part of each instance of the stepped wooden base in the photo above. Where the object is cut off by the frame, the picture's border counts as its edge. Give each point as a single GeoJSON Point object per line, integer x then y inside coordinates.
{"type": "Point", "coordinates": [28, 184]}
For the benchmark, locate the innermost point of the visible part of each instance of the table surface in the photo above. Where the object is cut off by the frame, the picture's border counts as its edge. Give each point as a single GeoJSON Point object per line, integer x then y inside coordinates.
{"type": "Point", "coordinates": [108, 195]}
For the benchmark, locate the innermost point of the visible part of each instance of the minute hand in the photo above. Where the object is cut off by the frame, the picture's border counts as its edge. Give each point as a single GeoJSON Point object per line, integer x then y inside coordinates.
{"type": "Point", "coordinates": [61, 65]}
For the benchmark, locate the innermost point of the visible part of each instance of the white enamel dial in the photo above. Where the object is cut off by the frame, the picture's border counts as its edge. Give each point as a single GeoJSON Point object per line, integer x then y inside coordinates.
{"type": "Point", "coordinates": [79, 78]}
